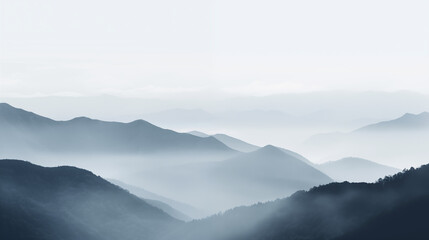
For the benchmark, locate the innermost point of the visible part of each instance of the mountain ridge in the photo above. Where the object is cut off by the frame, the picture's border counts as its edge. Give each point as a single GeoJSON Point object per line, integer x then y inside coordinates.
{"type": "Point", "coordinates": [355, 169]}
{"type": "Point", "coordinates": [408, 121]}
{"type": "Point", "coordinates": [331, 211]}
{"type": "Point", "coordinates": [85, 134]}
{"type": "Point", "coordinates": [265, 174]}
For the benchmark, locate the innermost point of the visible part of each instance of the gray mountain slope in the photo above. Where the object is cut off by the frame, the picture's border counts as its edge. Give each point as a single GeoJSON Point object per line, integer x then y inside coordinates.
{"type": "Point", "coordinates": [168, 209]}
{"type": "Point", "coordinates": [198, 134]}
{"type": "Point", "coordinates": [243, 146]}
{"type": "Point", "coordinates": [27, 131]}
{"type": "Point", "coordinates": [297, 156]}
{"type": "Point", "coordinates": [407, 122]}
{"type": "Point", "coordinates": [328, 212]}
{"type": "Point", "coordinates": [353, 169]}
{"type": "Point", "coordinates": [236, 143]}
{"type": "Point", "coordinates": [229, 141]}
{"type": "Point", "coordinates": [389, 142]}
{"type": "Point", "coordinates": [262, 175]}
{"type": "Point", "coordinates": [186, 211]}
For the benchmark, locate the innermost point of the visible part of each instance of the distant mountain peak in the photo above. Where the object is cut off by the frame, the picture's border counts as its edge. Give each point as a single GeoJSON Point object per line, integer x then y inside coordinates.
{"type": "Point", "coordinates": [270, 149]}
{"type": "Point", "coordinates": [198, 134]}
{"type": "Point", "coordinates": [411, 115]}
{"type": "Point", "coordinates": [356, 169]}
{"type": "Point", "coordinates": [8, 107]}
{"type": "Point", "coordinates": [408, 121]}
{"type": "Point", "coordinates": [83, 134]}
{"type": "Point", "coordinates": [424, 114]}
{"type": "Point", "coordinates": [82, 119]}
{"type": "Point", "coordinates": [5, 105]}
{"type": "Point", "coordinates": [15, 115]}
{"type": "Point", "coordinates": [141, 122]}
{"type": "Point", "coordinates": [354, 159]}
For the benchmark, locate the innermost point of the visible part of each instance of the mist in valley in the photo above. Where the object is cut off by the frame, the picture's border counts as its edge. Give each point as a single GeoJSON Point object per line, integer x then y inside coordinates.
{"type": "Point", "coordinates": [222, 120]}
{"type": "Point", "coordinates": [205, 185]}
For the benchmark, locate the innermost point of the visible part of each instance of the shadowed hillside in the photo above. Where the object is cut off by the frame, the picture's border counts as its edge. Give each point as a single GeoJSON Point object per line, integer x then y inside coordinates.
{"type": "Point", "coordinates": [352, 210]}
{"type": "Point", "coordinates": [407, 122]}
{"type": "Point", "coordinates": [71, 203]}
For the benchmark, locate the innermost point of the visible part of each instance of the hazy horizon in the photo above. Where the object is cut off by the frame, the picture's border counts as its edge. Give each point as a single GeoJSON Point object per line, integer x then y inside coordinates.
{"type": "Point", "coordinates": [171, 50]}
{"type": "Point", "coordinates": [285, 120]}
{"type": "Point", "coordinates": [214, 119]}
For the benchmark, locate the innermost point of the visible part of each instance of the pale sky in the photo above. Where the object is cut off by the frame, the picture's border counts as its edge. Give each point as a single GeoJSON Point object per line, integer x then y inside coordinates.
{"type": "Point", "coordinates": [168, 48]}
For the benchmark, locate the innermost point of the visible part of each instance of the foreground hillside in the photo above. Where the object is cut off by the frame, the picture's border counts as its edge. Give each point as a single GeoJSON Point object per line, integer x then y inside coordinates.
{"type": "Point", "coordinates": [71, 203]}
{"type": "Point", "coordinates": [394, 208]}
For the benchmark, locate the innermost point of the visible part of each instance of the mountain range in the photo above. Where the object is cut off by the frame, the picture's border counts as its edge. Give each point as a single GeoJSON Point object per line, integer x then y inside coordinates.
{"type": "Point", "coordinates": [111, 149]}
{"type": "Point", "coordinates": [179, 210]}
{"type": "Point", "coordinates": [389, 142]}
{"type": "Point", "coordinates": [81, 205]}
{"type": "Point", "coordinates": [395, 208]}
{"type": "Point", "coordinates": [265, 174]}
{"type": "Point", "coordinates": [209, 173]}
{"type": "Point", "coordinates": [28, 131]}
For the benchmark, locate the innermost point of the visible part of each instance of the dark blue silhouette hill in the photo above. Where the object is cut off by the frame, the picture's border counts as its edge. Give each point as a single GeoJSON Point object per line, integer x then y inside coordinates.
{"type": "Point", "coordinates": [71, 203]}
{"type": "Point", "coordinates": [406, 221]}
{"type": "Point", "coordinates": [393, 208]}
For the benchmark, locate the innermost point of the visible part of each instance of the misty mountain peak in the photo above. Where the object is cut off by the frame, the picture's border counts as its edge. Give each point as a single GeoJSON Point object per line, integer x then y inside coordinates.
{"type": "Point", "coordinates": [10, 114]}
{"type": "Point", "coordinates": [141, 122]}
{"type": "Point", "coordinates": [411, 115]}
{"type": "Point", "coordinates": [424, 114]}
{"type": "Point", "coordinates": [198, 134]}
{"type": "Point", "coordinates": [356, 169]}
{"type": "Point", "coordinates": [5, 105]}
{"type": "Point", "coordinates": [83, 135]}
{"type": "Point", "coordinates": [270, 149]}
{"type": "Point", "coordinates": [407, 121]}
{"type": "Point", "coordinates": [82, 119]}
{"type": "Point", "coordinates": [7, 108]}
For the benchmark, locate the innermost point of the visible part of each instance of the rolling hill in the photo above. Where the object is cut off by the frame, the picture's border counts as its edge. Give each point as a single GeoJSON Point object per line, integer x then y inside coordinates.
{"type": "Point", "coordinates": [356, 170]}
{"type": "Point", "coordinates": [265, 174]}
{"type": "Point", "coordinates": [229, 141]}
{"type": "Point", "coordinates": [28, 131]}
{"type": "Point", "coordinates": [388, 142]}
{"type": "Point", "coordinates": [406, 122]}
{"type": "Point", "coordinates": [71, 203]}
{"type": "Point", "coordinates": [392, 208]}
{"type": "Point", "coordinates": [181, 211]}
